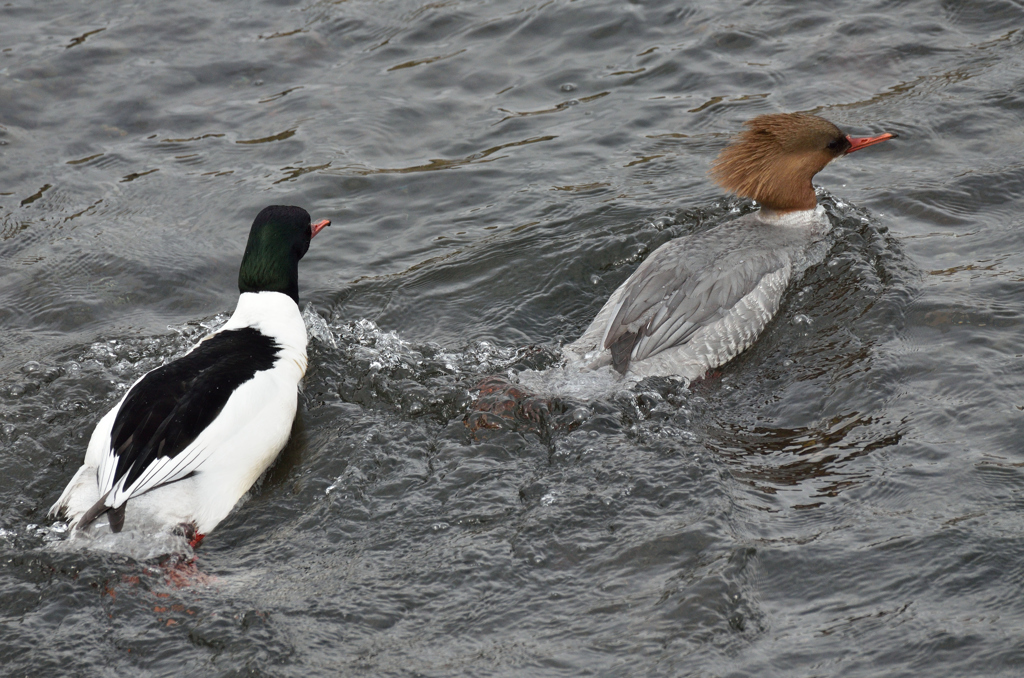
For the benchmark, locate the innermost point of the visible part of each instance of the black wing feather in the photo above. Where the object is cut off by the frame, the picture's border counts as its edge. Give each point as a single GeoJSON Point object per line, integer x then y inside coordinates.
{"type": "Point", "coordinates": [173, 404]}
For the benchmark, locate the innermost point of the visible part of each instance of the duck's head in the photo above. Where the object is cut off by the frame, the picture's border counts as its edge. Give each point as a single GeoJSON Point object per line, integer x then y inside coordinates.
{"type": "Point", "coordinates": [775, 158]}
{"type": "Point", "coordinates": [279, 237]}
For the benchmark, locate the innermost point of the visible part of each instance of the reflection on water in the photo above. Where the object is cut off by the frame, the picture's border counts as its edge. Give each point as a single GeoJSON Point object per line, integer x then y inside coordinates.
{"type": "Point", "coordinates": [771, 457]}
{"type": "Point", "coordinates": [843, 498]}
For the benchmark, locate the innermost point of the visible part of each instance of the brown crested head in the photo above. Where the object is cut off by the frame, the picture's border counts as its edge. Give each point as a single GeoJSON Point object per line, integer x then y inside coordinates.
{"type": "Point", "coordinates": [775, 158]}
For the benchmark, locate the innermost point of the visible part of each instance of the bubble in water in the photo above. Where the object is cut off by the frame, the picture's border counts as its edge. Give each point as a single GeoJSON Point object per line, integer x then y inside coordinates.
{"type": "Point", "coordinates": [568, 87]}
{"type": "Point", "coordinates": [53, 533]}
{"type": "Point", "coordinates": [661, 223]}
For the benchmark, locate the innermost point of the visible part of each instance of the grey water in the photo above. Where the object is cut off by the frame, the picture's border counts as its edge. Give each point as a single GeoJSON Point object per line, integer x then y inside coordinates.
{"type": "Point", "coordinates": [844, 499]}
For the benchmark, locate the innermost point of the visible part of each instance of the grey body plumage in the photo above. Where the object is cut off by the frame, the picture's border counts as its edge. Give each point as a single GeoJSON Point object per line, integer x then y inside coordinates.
{"type": "Point", "coordinates": [698, 301]}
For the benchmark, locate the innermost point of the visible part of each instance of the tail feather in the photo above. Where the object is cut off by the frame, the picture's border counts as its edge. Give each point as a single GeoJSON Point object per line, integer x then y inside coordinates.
{"type": "Point", "coordinates": [64, 507]}
{"type": "Point", "coordinates": [97, 510]}
{"type": "Point", "coordinates": [622, 350]}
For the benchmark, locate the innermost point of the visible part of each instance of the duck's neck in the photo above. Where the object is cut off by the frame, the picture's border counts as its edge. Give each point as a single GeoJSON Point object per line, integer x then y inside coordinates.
{"type": "Point", "coordinates": [809, 218]}
{"type": "Point", "coordinates": [272, 313]}
{"type": "Point", "coordinates": [784, 184]}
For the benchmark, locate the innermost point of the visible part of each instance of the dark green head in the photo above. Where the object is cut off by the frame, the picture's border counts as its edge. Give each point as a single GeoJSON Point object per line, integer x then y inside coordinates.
{"type": "Point", "coordinates": [279, 237]}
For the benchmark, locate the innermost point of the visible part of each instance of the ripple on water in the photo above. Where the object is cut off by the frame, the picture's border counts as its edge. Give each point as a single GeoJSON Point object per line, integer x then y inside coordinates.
{"type": "Point", "coordinates": [634, 493]}
{"type": "Point", "coordinates": [844, 496]}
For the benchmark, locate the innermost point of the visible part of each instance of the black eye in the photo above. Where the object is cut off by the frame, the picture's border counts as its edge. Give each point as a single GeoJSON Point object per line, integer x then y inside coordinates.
{"type": "Point", "coordinates": [835, 144]}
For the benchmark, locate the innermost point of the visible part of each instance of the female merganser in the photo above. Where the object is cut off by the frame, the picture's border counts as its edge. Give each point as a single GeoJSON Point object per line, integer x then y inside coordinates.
{"type": "Point", "coordinates": [698, 301]}
{"type": "Point", "coordinates": [189, 438]}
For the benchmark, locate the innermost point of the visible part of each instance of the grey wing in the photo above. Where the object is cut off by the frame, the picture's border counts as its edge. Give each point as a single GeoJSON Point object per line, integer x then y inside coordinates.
{"type": "Point", "coordinates": [674, 293]}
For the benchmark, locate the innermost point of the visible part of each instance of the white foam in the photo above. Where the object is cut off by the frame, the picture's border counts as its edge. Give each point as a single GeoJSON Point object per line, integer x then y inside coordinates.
{"type": "Point", "coordinates": [317, 327]}
{"type": "Point", "coordinates": [570, 381]}
{"type": "Point", "coordinates": [138, 543]}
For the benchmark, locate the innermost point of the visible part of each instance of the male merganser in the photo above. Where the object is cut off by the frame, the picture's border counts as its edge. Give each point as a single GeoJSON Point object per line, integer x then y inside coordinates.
{"type": "Point", "coordinates": [189, 438]}
{"type": "Point", "coordinates": [700, 300]}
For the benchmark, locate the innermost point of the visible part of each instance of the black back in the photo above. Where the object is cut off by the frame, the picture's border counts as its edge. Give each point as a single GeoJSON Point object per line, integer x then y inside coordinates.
{"type": "Point", "coordinates": [173, 404]}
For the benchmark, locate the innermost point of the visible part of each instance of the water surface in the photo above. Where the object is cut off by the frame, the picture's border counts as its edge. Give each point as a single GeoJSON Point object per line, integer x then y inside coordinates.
{"type": "Point", "coordinates": [841, 500]}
